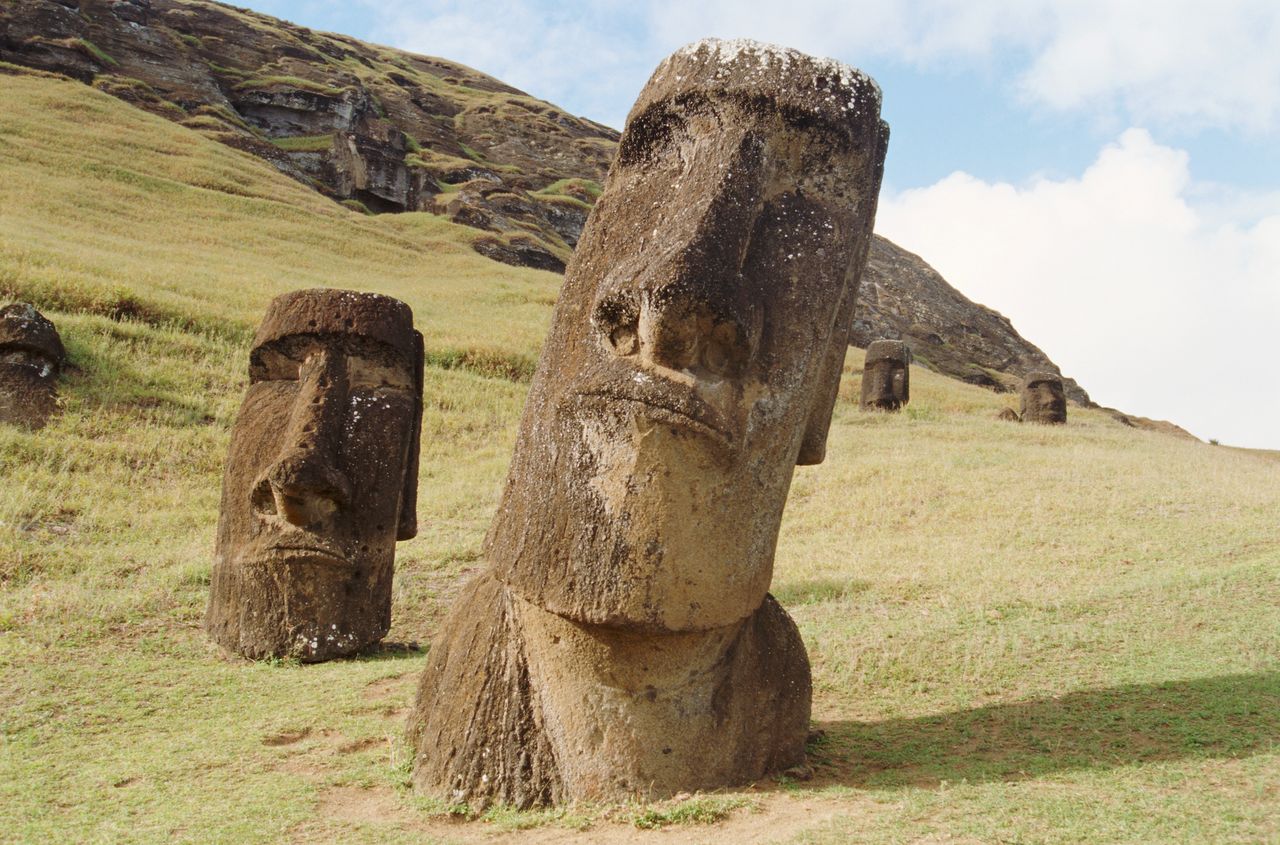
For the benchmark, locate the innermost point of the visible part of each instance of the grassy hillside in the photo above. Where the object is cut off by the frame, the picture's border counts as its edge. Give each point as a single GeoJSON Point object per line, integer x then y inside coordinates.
{"type": "Point", "coordinates": [1017, 633]}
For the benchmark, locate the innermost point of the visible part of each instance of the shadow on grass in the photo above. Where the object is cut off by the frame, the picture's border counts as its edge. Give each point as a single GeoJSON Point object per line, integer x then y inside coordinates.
{"type": "Point", "coordinates": [384, 651]}
{"type": "Point", "coordinates": [1219, 717]}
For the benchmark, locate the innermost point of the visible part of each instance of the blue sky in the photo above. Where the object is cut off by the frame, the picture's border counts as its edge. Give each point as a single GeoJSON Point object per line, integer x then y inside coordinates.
{"type": "Point", "coordinates": [1104, 172]}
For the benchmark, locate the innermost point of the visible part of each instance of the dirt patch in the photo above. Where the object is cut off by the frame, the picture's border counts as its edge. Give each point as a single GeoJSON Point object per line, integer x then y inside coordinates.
{"type": "Point", "coordinates": [354, 804]}
{"type": "Point", "coordinates": [383, 687]}
{"type": "Point", "coordinates": [775, 818]}
{"type": "Point", "coordinates": [359, 745]}
{"type": "Point", "coordinates": [287, 737]}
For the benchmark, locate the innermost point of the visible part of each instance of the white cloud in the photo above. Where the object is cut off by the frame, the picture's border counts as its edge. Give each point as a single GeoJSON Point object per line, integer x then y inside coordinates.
{"type": "Point", "coordinates": [1174, 62]}
{"type": "Point", "coordinates": [1154, 305]}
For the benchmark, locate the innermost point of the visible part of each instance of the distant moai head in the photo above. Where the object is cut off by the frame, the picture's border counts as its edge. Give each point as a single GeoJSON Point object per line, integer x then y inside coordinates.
{"type": "Point", "coordinates": [1043, 399]}
{"type": "Point", "coordinates": [321, 477]}
{"type": "Point", "coordinates": [696, 348]}
{"type": "Point", "coordinates": [886, 376]}
{"type": "Point", "coordinates": [31, 357]}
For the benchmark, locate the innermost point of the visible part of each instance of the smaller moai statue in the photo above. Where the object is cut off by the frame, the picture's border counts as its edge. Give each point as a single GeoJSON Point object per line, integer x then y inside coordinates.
{"type": "Point", "coordinates": [31, 358]}
{"type": "Point", "coordinates": [1008, 415]}
{"type": "Point", "coordinates": [321, 478]}
{"type": "Point", "coordinates": [886, 376]}
{"type": "Point", "coordinates": [1043, 399]}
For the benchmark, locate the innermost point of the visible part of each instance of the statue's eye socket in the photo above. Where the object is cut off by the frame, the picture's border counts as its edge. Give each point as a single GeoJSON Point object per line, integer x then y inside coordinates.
{"type": "Point", "coordinates": [618, 319]}
{"type": "Point", "coordinates": [624, 340]}
{"type": "Point", "coordinates": [274, 365]}
{"type": "Point", "coordinates": [716, 357]}
{"type": "Point", "coordinates": [365, 373]}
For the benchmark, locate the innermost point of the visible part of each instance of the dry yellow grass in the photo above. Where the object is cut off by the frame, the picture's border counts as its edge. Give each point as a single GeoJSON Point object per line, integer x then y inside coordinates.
{"type": "Point", "coordinates": [1017, 633]}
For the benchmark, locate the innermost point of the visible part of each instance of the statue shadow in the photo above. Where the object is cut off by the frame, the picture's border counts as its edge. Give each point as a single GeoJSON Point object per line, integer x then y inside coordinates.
{"type": "Point", "coordinates": [384, 651]}
{"type": "Point", "coordinates": [1219, 717]}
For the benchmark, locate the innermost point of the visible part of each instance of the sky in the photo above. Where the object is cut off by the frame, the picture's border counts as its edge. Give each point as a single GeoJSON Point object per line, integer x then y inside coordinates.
{"type": "Point", "coordinates": [1106, 173]}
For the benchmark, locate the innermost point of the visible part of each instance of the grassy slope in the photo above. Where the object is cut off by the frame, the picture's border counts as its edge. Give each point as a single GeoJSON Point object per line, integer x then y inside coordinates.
{"type": "Point", "coordinates": [1017, 633]}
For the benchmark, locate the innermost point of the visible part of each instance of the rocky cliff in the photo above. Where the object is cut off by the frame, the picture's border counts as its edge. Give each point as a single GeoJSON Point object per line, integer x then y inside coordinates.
{"type": "Point", "coordinates": [903, 298]}
{"type": "Point", "coordinates": [385, 131]}
{"type": "Point", "coordinates": [381, 129]}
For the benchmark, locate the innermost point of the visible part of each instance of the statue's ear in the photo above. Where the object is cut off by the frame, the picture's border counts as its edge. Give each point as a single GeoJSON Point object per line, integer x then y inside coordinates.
{"type": "Point", "coordinates": [408, 527]}
{"type": "Point", "coordinates": [814, 446]}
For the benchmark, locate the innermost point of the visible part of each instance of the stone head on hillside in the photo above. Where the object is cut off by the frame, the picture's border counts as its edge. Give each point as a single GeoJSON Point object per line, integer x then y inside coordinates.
{"type": "Point", "coordinates": [31, 357]}
{"type": "Point", "coordinates": [693, 361]}
{"type": "Point", "coordinates": [886, 376]}
{"type": "Point", "coordinates": [321, 478]}
{"type": "Point", "coordinates": [1043, 399]}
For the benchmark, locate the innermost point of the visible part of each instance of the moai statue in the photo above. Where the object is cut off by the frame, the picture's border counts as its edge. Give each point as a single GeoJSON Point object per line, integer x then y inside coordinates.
{"type": "Point", "coordinates": [31, 357]}
{"type": "Point", "coordinates": [886, 376]}
{"type": "Point", "coordinates": [321, 478]}
{"type": "Point", "coordinates": [622, 642]}
{"type": "Point", "coordinates": [1043, 399]}
{"type": "Point", "coordinates": [1008, 415]}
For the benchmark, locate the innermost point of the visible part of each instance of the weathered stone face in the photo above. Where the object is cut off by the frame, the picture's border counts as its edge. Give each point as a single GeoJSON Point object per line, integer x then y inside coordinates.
{"type": "Point", "coordinates": [622, 642]}
{"type": "Point", "coordinates": [31, 357]}
{"type": "Point", "coordinates": [886, 376]}
{"type": "Point", "coordinates": [695, 350]}
{"type": "Point", "coordinates": [321, 478]}
{"type": "Point", "coordinates": [1043, 399]}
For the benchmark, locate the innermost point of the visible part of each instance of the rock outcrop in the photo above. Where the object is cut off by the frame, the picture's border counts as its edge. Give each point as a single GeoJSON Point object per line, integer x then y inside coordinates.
{"type": "Point", "coordinates": [389, 130]}
{"type": "Point", "coordinates": [903, 298]}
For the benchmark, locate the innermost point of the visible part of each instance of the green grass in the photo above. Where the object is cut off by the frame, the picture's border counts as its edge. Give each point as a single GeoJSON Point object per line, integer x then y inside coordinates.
{"type": "Point", "coordinates": [704, 809]}
{"type": "Point", "coordinates": [562, 187]}
{"type": "Point", "coordinates": [1017, 633]}
{"type": "Point", "coordinates": [96, 51]}
{"type": "Point", "coordinates": [254, 82]}
{"type": "Point", "coordinates": [304, 143]}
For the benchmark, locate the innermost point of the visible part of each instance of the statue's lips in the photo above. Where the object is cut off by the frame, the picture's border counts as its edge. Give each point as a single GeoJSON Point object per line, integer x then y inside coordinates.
{"type": "Point", "coordinates": [683, 411]}
{"type": "Point", "coordinates": [303, 553]}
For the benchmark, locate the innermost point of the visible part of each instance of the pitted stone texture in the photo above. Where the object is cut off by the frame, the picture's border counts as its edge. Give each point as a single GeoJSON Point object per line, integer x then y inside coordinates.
{"type": "Point", "coordinates": [1043, 399]}
{"type": "Point", "coordinates": [31, 358]}
{"type": "Point", "coordinates": [565, 711]}
{"type": "Point", "coordinates": [693, 362]}
{"type": "Point", "coordinates": [321, 478]}
{"type": "Point", "coordinates": [886, 376]}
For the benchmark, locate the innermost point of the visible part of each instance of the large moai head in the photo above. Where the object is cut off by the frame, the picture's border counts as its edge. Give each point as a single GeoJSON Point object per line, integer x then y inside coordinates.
{"type": "Point", "coordinates": [886, 376]}
{"type": "Point", "coordinates": [31, 357]}
{"type": "Point", "coordinates": [321, 478]}
{"type": "Point", "coordinates": [1043, 399]}
{"type": "Point", "coordinates": [622, 643]}
{"type": "Point", "coordinates": [696, 348]}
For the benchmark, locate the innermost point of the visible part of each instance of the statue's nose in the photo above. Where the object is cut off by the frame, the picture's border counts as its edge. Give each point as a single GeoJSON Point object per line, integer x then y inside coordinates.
{"type": "Point", "coordinates": [304, 485]}
{"type": "Point", "coordinates": [689, 309]}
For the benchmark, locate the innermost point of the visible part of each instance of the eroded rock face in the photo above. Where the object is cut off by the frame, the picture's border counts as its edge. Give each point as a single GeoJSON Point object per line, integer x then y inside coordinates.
{"type": "Point", "coordinates": [886, 376]}
{"type": "Point", "coordinates": [321, 478]}
{"type": "Point", "coordinates": [1043, 399]}
{"type": "Point", "coordinates": [393, 130]}
{"type": "Point", "coordinates": [31, 357]}
{"type": "Point", "coordinates": [622, 642]}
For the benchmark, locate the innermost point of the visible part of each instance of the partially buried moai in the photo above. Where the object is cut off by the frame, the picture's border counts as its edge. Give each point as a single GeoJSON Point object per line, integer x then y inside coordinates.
{"type": "Point", "coordinates": [886, 376]}
{"type": "Point", "coordinates": [31, 358]}
{"type": "Point", "coordinates": [621, 642]}
{"type": "Point", "coordinates": [1043, 399]}
{"type": "Point", "coordinates": [321, 478]}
